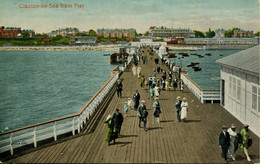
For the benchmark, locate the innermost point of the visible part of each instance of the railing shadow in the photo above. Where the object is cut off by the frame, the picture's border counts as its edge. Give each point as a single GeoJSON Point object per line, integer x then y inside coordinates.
{"type": "Point", "coordinates": [190, 121]}
{"type": "Point", "coordinates": [154, 128]}
{"type": "Point", "coordinates": [165, 121]}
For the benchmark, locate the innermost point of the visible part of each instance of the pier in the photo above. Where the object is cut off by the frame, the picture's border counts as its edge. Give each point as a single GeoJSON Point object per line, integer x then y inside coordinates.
{"type": "Point", "coordinates": [193, 141]}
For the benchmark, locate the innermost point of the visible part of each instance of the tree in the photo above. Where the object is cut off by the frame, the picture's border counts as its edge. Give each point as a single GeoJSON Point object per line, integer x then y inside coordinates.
{"type": "Point", "coordinates": [198, 34]}
{"type": "Point", "coordinates": [257, 33]}
{"type": "Point", "coordinates": [229, 34]}
{"type": "Point", "coordinates": [25, 34]}
{"type": "Point", "coordinates": [92, 33]}
{"type": "Point", "coordinates": [146, 33]}
{"type": "Point", "coordinates": [210, 34]}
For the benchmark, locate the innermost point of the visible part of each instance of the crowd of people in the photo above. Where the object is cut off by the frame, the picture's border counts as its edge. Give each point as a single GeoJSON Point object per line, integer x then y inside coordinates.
{"type": "Point", "coordinates": [229, 139]}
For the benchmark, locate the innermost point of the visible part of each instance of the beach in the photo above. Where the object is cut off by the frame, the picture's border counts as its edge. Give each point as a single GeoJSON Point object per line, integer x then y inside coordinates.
{"type": "Point", "coordinates": [61, 48]}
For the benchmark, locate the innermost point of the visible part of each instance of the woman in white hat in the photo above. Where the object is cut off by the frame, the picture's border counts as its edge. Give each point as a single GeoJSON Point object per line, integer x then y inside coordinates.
{"type": "Point", "coordinates": [233, 141]}
{"type": "Point", "coordinates": [184, 109]}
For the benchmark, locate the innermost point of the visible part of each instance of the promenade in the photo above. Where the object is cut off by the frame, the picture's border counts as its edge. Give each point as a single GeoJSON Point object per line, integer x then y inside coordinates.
{"type": "Point", "coordinates": [193, 141]}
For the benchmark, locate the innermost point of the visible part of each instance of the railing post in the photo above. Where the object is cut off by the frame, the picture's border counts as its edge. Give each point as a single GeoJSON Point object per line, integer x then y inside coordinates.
{"type": "Point", "coordinates": [34, 137]}
{"type": "Point", "coordinates": [78, 124]}
{"type": "Point", "coordinates": [11, 144]}
{"type": "Point", "coordinates": [55, 134]}
{"type": "Point", "coordinates": [73, 127]}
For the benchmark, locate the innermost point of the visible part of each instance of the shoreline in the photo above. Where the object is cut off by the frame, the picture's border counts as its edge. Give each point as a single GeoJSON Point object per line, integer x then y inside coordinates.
{"type": "Point", "coordinates": [61, 48]}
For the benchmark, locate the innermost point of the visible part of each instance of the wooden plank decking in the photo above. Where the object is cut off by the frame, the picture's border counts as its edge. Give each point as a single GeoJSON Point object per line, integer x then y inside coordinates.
{"type": "Point", "coordinates": [195, 141]}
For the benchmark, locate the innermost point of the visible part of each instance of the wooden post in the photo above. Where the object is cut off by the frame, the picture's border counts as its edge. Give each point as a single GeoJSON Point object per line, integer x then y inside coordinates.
{"type": "Point", "coordinates": [11, 144]}
{"type": "Point", "coordinates": [34, 137]}
{"type": "Point", "coordinates": [54, 130]}
{"type": "Point", "coordinates": [73, 127]}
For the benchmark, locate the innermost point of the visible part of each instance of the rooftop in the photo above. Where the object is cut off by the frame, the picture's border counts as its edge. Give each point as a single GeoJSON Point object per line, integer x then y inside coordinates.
{"type": "Point", "coordinates": [246, 60]}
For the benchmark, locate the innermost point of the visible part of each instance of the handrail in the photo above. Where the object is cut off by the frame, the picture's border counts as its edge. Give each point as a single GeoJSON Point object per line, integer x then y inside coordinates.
{"type": "Point", "coordinates": [65, 117]}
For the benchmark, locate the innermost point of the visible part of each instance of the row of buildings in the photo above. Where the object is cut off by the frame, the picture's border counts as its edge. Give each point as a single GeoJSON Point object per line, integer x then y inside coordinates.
{"type": "Point", "coordinates": [188, 33]}
{"type": "Point", "coordinates": [13, 32]}
{"type": "Point", "coordinates": [116, 33]}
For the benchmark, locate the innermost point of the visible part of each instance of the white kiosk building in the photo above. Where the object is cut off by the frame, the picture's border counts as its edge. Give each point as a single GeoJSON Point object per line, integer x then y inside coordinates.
{"type": "Point", "coordinates": [240, 89]}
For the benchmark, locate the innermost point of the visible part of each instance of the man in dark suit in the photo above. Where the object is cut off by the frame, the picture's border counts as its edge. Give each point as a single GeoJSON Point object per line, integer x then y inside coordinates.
{"type": "Point", "coordinates": [224, 140]}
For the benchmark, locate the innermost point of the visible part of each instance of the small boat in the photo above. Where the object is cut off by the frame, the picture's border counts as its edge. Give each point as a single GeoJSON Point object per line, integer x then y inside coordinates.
{"type": "Point", "coordinates": [185, 55]}
{"type": "Point", "coordinates": [171, 55]}
{"type": "Point", "coordinates": [200, 56]}
{"type": "Point", "coordinates": [190, 65]}
{"type": "Point", "coordinates": [208, 54]}
{"type": "Point", "coordinates": [220, 55]}
{"type": "Point", "coordinates": [193, 53]}
{"type": "Point", "coordinates": [197, 69]}
{"type": "Point", "coordinates": [106, 54]}
{"type": "Point", "coordinates": [194, 63]}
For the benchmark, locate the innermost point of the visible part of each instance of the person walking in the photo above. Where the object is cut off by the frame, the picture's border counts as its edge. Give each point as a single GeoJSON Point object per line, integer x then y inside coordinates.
{"type": "Point", "coordinates": [178, 108]}
{"type": "Point", "coordinates": [134, 70]}
{"type": "Point", "coordinates": [153, 81]}
{"type": "Point", "coordinates": [118, 121]}
{"type": "Point", "coordinates": [246, 141]}
{"type": "Point", "coordinates": [156, 91]}
{"type": "Point", "coordinates": [224, 141]}
{"type": "Point", "coordinates": [233, 141]}
{"type": "Point", "coordinates": [181, 85]}
{"type": "Point", "coordinates": [136, 99]}
{"type": "Point", "coordinates": [142, 114]}
{"type": "Point", "coordinates": [184, 109]}
{"type": "Point", "coordinates": [142, 82]}
{"type": "Point", "coordinates": [157, 109]}
{"type": "Point", "coordinates": [129, 103]}
{"type": "Point", "coordinates": [111, 134]}
{"type": "Point", "coordinates": [138, 72]}
{"type": "Point", "coordinates": [175, 83]}
{"type": "Point", "coordinates": [119, 88]}
{"type": "Point", "coordinates": [126, 107]}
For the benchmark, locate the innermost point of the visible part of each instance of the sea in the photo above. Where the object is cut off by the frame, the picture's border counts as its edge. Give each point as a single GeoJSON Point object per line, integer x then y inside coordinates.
{"type": "Point", "coordinates": [37, 86]}
{"type": "Point", "coordinates": [209, 76]}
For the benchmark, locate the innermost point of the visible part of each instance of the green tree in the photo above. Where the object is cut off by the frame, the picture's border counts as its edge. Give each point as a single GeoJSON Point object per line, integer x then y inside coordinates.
{"type": "Point", "coordinates": [81, 34]}
{"type": "Point", "coordinates": [92, 33]}
{"type": "Point", "coordinates": [210, 34]}
{"type": "Point", "coordinates": [146, 33]}
{"type": "Point", "coordinates": [38, 35]}
{"type": "Point", "coordinates": [230, 33]}
{"type": "Point", "coordinates": [25, 35]}
{"type": "Point", "coordinates": [257, 33]}
{"type": "Point", "coordinates": [198, 34]}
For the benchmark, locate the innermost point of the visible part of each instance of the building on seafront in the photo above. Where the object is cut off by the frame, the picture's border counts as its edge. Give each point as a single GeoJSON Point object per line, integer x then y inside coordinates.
{"type": "Point", "coordinates": [65, 32]}
{"type": "Point", "coordinates": [84, 40]}
{"type": "Point", "coordinates": [116, 33]}
{"type": "Point", "coordinates": [240, 89]}
{"type": "Point", "coordinates": [220, 33]}
{"type": "Point", "coordinates": [10, 32]}
{"type": "Point", "coordinates": [221, 41]}
{"type": "Point", "coordinates": [170, 32]}
{"type": "Point", "coordinates": [243, 34]}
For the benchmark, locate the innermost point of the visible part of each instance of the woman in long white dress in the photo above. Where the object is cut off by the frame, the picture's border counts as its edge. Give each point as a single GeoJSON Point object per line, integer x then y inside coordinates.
{"type": "Point", "coordinates": [184, 109]}
{"type": "Point", "coordinates": [156, 91]}
{"type": "Point", "coordinates": [233, 141]}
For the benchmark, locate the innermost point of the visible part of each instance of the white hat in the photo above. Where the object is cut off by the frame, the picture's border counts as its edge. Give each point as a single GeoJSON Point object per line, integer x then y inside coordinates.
{"type": "Point", "coordinates": [179, 97]}
{"type": "Point", "coordinates": [156, 98]}
{"type": "Point", "coordinates": [108, 117]}
{"type": "Point", "coordinates": [184, 98]}
{"type": "Point", "coordinates": [142, 101]}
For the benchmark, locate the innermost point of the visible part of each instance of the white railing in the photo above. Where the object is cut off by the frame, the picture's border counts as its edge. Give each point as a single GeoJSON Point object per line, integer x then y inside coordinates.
{"type": "Point", "coordinates": [13, 139]}
{"type": "Point", "coordinates": [202, 95]}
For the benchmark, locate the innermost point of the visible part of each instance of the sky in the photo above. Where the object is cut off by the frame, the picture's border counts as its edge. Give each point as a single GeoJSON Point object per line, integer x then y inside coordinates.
{"type": "Point", "coordinates": [139, 14]}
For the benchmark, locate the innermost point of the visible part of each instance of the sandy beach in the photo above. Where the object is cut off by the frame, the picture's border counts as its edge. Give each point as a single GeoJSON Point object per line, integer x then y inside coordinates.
{"type": "Point", "coordinates": [62, 48]}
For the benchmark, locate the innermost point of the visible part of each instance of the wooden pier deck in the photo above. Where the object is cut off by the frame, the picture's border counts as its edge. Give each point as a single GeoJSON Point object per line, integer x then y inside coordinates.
{"type": "Point", "coordinates": [195, 141]}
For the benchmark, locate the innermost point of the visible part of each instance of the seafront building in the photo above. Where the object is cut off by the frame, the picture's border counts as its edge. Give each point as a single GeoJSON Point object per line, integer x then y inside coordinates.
{"type": "Point", "coordinates": [116, 33]}
{"type": "Point", "coordinates": [243, 34]}
{"type": "Point", "coordinates": [219, 33]}
{"type": "Point", "coordinates": [84, 40]}
{"type": "Point", "coordinates": [65, 32]}
{"type": "Point", "coordinates": [170, 32]}
{"type": "Point", "coordinates": [240, 90]}
{"type": "Point", "coordinates": [10, 32]}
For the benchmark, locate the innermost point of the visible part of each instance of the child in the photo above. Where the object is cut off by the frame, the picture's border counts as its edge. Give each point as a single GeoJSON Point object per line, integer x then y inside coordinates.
{"type": "Point", "coordinates": [126, 108]}
{"type": "Point", "coordinates": [129, 103]}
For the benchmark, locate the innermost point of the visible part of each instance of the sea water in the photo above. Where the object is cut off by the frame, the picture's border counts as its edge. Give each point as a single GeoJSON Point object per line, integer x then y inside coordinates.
{"type": "Point", "coordinates": [37, 86]}
{"type": "Point", "coordinates": [208, 77]}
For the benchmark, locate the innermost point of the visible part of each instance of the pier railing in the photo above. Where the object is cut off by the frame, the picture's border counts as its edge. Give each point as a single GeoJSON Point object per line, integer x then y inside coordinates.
{"type": "Point", "coordinates": [11, 140]}
{"type": "Point", "coordinates": [202, 95]}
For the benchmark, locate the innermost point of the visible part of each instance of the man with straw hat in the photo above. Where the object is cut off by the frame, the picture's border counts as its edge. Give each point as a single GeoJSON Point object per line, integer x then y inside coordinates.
{"type": "Point", "coordinates": [184, 109]}
{"type": "Point", "coordinates": [142, 114]}
{"type": "Point", "coordinates": [224, 141]}
{"type": "Point", "coordinates": [178, 108]}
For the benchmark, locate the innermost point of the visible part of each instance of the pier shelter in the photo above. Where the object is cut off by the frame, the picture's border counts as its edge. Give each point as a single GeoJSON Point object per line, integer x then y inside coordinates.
{"type": "Point", "coordinates": [240, 90]}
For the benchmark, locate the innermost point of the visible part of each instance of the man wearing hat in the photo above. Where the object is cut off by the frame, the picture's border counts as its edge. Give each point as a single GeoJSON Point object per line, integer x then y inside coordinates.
{"type": "Point", "coordinates": [136, 99]}
{"type": "Point", "coordinates": [142, 114]}
{"type": "Point", "coordinates": [224, 141]}
{"type": "Point", "coordinates": [118, 120]}
{"type": "Point", "coordinates": [178, 108]}
{"type": "Point", "coordinates": [119, 88]}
